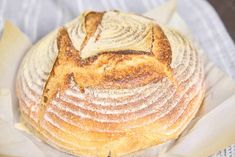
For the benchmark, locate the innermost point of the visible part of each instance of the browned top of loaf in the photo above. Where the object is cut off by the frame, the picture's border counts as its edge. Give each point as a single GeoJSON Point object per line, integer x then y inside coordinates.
{"type": "Point", "coordinates": [119, 69]}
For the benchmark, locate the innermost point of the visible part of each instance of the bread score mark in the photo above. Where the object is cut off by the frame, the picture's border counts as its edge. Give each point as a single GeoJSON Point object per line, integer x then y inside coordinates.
{"type": "Point", "coordinates": [121, 69]}
{"type": "Point", "coordinates": [92, 21]}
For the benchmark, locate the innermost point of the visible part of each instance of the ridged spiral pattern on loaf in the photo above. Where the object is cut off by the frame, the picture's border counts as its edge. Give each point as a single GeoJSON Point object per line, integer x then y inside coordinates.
{"type": "Point", "coordinates": [33, 74]}
{"type": "Point", "coordinates": [98, 122]}
{"type": "Point", "coordinates": [128, 32]}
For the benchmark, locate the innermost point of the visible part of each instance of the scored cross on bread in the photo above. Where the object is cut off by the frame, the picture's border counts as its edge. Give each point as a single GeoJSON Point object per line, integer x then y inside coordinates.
{"type": "Point", "coordinates": [110, 83]}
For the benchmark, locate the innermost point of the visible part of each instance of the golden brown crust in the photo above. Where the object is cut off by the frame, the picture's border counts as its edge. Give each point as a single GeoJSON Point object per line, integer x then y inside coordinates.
{"type": "Point", "coordinates": [118, 100]}
{"type": "Point", "coordinates": [113, 67]}
{"type": "Point", "coordinates": [161, 47]}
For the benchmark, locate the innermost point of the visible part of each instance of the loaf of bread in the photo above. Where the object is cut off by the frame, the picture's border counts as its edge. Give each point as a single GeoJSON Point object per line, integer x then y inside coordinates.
{"type": "Point", "coordinates": [110, 84]}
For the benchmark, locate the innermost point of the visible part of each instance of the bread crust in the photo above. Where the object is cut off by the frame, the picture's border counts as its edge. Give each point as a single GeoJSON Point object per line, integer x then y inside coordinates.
{"type": "Point", "coordinates": [110, 83]}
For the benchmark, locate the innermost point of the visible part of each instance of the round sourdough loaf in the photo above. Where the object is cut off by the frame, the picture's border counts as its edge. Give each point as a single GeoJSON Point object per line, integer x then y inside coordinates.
{"type": "Point", "coordinates": [110, 83]}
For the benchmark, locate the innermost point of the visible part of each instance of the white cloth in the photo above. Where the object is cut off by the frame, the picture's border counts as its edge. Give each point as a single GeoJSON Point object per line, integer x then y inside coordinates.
{"type": "Point", "coordinates": [38, 17]}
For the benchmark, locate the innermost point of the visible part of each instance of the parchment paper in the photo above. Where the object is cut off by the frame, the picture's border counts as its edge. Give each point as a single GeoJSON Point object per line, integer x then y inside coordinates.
{"type": "Point", "coordinates": [211, 130]}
